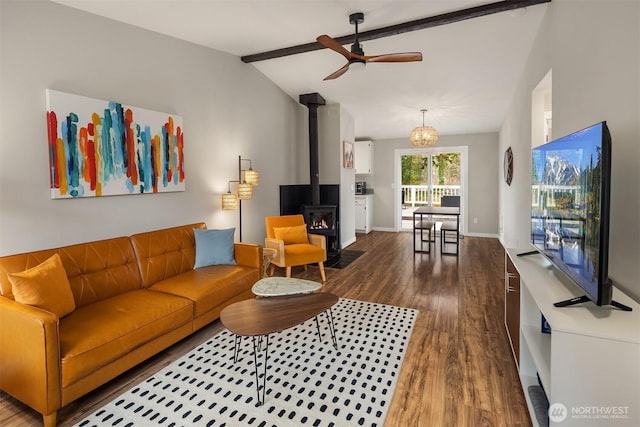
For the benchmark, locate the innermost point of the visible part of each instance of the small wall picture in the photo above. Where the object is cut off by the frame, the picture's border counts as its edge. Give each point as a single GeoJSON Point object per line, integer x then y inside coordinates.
{"type": "Point", "coordinates": [508, 166]}
{"type": "Point", "coordinates": [347, 154]}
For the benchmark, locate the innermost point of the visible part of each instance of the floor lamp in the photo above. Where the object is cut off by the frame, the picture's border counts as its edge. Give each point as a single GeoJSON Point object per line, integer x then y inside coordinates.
{"type": "Point", "coordinates": [247, 179]}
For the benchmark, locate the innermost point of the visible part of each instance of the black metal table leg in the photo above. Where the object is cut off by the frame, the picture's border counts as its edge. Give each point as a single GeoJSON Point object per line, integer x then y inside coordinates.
{"type": "Point", "coordinates": [236, 347]}
{"type": "Point", "coordinates": [332, 327]}
{"type": "Point", "coordinates": [414, 231]}
{"type": "Point", "coordinates": [256, 349]}
{"type": "Point", "coordinates": [318, 327]}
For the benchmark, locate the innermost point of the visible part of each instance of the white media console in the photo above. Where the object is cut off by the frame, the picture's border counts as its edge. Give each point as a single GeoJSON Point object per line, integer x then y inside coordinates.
{"type": "Point", "coordinates": [589, 365]}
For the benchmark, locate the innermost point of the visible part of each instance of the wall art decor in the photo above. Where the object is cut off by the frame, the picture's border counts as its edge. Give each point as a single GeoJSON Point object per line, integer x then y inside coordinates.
{"type": "Point", "coordinates": [347, 154]}
{"type": "Point", "coordinates": [104, 148]}
{"type": "Point", "coordinates": [508, 166]}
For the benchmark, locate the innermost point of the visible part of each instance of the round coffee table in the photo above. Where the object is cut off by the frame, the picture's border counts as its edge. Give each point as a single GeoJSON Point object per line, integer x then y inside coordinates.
{"type": "Point", "coordinates": [278, 286]}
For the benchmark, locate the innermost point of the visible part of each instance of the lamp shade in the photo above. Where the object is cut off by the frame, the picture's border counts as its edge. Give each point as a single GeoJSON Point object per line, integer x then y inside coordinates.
{"type": "Point", "coordinates": [229, 201]}
{"type": "Point", "coordinates": [251, 177]}
{"type": "Point", "coordinates": [245, 191]}
{"type": "Point", "coordinates": [423, 136]}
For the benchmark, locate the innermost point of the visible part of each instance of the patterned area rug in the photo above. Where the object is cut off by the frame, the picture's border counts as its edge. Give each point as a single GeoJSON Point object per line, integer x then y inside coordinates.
{"type": "Point", "coordinates": [309, 383]}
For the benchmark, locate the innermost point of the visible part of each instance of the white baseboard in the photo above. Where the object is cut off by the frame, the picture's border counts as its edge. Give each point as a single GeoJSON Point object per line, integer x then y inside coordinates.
{"type": "Point", "coordinates": [486, 235]}
{"type": "Point", "coordinates": [387, 229]}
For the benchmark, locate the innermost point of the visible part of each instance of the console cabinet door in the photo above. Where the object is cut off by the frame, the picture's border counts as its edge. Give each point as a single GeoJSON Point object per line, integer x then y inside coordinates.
{"type": "Point", "coordinates": [512, 307]}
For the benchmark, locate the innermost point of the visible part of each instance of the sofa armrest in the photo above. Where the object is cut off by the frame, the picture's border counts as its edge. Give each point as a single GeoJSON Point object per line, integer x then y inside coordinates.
{"type": "Point", "coordinates": [278, 245]}
{"type": "Point", "coordinates": [30, 355]}
{"type": "Point", "coordinates": [248, 254]}
{"type": "Point", "coordinates": [318, 240]}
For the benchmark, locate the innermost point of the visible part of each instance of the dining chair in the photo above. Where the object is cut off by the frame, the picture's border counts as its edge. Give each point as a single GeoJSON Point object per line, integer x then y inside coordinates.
{"type": "Point", "coordinates": [430, 227]}
{"type": "Point", "coordinates": [450, 226]}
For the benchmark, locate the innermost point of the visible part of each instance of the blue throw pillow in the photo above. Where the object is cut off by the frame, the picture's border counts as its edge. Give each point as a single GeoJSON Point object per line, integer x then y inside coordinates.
{"type": "Point", "coordinates": [214, 247]}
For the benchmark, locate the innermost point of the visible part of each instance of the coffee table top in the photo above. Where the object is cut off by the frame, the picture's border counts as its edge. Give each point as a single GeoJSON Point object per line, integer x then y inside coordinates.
{"type": "Point", "coordinates": [263, 316]}
{"type": "Point", "coordinates": [272, 286]}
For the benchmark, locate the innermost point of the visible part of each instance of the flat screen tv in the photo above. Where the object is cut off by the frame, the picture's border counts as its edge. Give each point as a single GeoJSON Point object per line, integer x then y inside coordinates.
{"type": "Point", "coordinates": [570, 184]}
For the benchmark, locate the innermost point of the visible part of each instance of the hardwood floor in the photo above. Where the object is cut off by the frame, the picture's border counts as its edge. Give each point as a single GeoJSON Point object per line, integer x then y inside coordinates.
{"type": "Point", "coordinates": [458, 370]}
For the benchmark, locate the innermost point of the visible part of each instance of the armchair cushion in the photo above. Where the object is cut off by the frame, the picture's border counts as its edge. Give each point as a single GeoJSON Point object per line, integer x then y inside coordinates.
{"type": "Point", "coordinates": [45, 286]}
{"type": "Point", "coordinates": [301, 254]}
{"type": "Point", "coordinates": [292, 235]}
{"type": "Point", "coordinates": [214, 247]}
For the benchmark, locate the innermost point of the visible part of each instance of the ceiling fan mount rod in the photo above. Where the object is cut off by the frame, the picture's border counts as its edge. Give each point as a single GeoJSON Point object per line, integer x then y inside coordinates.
{"type": "Point", "coordinates": [356, 47]}
{"type": "Point", "coordinates": [356, 18]}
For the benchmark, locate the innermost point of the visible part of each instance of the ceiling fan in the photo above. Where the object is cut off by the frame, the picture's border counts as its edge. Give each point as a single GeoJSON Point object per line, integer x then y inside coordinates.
{"type": "Point", "coordinates": [356, 58]}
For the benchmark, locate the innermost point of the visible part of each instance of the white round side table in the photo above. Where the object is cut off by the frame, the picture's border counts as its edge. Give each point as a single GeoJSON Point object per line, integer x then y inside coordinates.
{"type": "Point", "coordinates": [276, 286]}
{"type": "Point", "coordinates": [267, 255]}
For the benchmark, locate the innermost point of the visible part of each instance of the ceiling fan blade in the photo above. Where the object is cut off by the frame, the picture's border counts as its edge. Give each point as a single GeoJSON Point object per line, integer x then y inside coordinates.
{"type": "Point", "coordinates": [395, 57]}
{"type": "Point", "coordinates": [338, 73]}
{"type": "Point", "coordinates": [330, 43]}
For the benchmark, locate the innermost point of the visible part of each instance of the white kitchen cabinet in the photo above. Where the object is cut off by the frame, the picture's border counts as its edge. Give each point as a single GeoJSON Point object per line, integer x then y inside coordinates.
{"type": "Point", "coordinates": [363, 157]}
{"type": "Point", "coordinates": [364, 213]}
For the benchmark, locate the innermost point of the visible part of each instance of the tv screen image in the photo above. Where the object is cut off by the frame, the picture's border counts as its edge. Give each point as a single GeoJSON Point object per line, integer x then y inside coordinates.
{"type": "Point", "coordinates": [570, 185]}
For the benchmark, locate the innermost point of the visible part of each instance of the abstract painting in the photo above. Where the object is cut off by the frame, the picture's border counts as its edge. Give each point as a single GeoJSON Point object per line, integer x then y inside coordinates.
{"type": "Point", "coordinates": [104, 148]}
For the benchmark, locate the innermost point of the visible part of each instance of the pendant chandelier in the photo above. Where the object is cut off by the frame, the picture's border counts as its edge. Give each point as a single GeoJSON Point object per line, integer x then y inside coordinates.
{"type": "Point", "coordinates": [423, 136]}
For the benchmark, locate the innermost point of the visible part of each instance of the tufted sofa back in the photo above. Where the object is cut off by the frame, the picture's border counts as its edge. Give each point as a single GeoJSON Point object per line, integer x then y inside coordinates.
{"type": "Point", "coordinates": [165, 253]}
{"type": "Point", "coordinates": [96, 270]}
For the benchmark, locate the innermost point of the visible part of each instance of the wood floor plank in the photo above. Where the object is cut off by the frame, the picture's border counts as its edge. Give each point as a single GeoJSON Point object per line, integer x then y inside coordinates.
{"type": "Point", "coordinates": [458, 370]}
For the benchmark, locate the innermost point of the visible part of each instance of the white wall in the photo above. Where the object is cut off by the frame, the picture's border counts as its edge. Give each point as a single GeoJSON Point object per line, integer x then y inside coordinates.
{"type": "Point", "coordinates": [593, 49]}
{"type": "Point", "coordinates": [228, 108]}
{"type": "Point", "coordinates": [483, 173]}
{"type": "Point", "coordinates": [347, 182]}
{"type": "Point", "coordinates": [336, 125]}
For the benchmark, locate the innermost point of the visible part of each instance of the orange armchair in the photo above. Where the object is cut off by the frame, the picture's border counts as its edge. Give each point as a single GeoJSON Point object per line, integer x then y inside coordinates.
{"type": "Point", "coordinates": [287, 234]}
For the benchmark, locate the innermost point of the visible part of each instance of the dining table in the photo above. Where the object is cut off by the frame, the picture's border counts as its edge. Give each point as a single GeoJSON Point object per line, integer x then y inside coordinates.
{"type": "Point", "coordinates": [432, 211]}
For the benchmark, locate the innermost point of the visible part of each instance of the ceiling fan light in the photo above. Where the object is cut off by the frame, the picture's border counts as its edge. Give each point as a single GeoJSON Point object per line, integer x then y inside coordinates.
{"type": "Point", "coordinates": [357, 65]}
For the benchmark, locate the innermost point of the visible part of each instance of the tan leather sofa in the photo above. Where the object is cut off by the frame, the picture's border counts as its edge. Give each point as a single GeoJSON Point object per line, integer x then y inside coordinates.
{"type": "Point", "coordinates": [134, 297]}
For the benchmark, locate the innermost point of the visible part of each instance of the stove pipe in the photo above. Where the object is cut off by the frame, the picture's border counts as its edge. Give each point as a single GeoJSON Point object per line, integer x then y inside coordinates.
{"type": "Point", "coordinates": [313, 101]}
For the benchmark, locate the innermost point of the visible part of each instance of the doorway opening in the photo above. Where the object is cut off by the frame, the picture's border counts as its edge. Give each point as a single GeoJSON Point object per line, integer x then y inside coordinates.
{"type": "Point", "coordinates": [423, 176]}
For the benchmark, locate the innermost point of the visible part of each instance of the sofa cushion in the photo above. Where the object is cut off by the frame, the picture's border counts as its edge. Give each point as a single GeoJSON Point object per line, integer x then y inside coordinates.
{"type": "Point", "coordinates": [97, 334]}
{"type": "Point", "coordinates": [214, 247]}
{"type": "Point", "coordinates": [209, 287]}
{"type": "Point", "coordinates": [292, 235]}
{"type": "Point", "coordinates": [45, 286]}
{"type": "Point", "coordinates": [162, 254]}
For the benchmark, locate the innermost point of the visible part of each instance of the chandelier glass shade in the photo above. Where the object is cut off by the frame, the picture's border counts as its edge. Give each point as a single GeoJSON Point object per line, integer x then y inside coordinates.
{"type": "Point", "coordinates": [423, 136]}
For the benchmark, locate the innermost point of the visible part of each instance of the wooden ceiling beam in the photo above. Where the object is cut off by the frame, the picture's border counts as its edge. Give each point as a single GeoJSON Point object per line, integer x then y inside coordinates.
{"type": "Point", "coordinates": [392, 30]}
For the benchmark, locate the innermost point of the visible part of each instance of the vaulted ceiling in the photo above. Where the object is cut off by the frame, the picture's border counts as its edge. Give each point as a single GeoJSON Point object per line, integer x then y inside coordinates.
{"type": "Point", "coordinates": [466, 79]}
